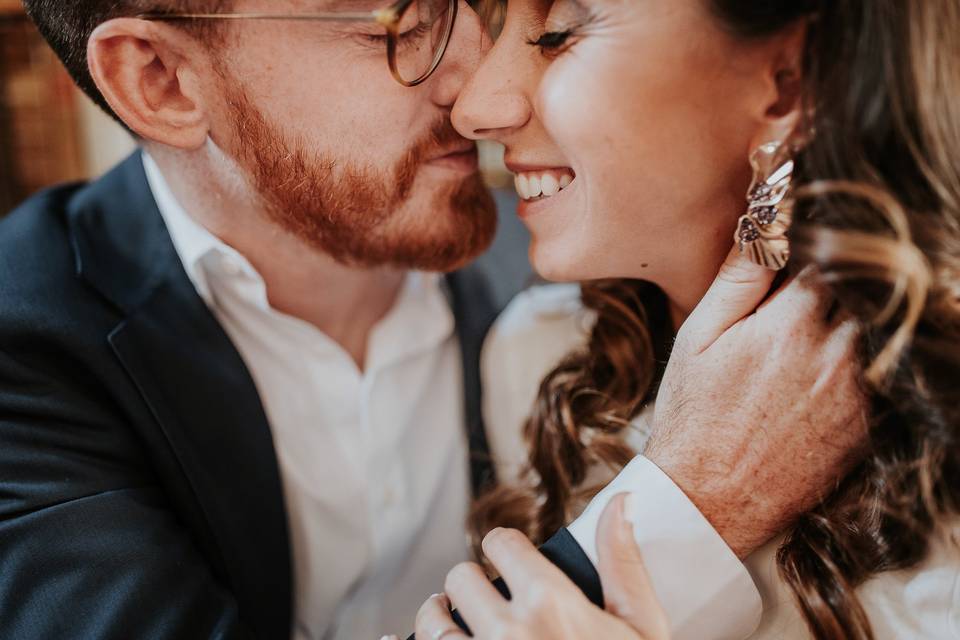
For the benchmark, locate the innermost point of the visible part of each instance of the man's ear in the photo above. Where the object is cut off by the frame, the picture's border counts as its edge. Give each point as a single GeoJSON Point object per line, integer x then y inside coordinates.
{"type": "Point", "coordinates": [782, 107]}
{"type": "Point", "coordinates": [148, 76]}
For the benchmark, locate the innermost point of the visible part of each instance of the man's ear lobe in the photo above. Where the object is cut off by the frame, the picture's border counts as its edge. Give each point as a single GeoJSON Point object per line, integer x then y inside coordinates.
{"type": "Point", "coordinates": [142, 71]}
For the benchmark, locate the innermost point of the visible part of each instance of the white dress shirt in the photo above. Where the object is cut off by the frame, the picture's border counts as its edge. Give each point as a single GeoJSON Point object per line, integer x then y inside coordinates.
{"type": "Point", "coordinates": [707, 593]}
{"type": "Point", "coordinates": [374, 463]}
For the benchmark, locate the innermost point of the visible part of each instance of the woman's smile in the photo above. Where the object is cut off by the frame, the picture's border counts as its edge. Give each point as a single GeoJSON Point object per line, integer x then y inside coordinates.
{"type": "Point", "coordinates": [538, 187]}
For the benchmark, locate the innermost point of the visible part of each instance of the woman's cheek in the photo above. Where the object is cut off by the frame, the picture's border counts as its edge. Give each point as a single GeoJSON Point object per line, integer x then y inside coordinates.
{"type": "Point", "coordinates": [590, 133]}
{"type": "Point", "coordinates": [564, 105]}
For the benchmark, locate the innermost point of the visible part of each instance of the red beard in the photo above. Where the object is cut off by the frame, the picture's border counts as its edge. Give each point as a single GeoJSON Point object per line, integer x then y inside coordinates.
{"type": "Point", "coordinates": [353, 213]}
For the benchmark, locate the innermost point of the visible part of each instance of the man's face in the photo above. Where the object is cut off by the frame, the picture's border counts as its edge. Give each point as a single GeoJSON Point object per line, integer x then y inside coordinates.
{"type": "Point", "coordinates": [360, 167]}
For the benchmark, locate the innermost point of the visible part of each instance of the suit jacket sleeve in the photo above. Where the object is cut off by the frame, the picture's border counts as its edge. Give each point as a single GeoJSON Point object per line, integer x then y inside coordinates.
{"type": "Point", "coordinates": [89, 546]}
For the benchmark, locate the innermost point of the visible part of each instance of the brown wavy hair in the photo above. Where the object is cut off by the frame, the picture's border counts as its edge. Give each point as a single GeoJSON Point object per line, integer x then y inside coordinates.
{"type": "Point", "coordinates": [879, 217]}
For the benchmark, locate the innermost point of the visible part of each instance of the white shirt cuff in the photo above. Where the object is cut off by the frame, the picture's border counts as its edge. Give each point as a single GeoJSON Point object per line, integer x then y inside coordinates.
{"type": "Point", "coordinates": [706, 591]}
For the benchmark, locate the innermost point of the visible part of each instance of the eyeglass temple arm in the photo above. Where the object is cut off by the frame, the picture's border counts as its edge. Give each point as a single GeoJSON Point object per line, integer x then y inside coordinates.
{"type": "Point", "coordinates": [385, 16]}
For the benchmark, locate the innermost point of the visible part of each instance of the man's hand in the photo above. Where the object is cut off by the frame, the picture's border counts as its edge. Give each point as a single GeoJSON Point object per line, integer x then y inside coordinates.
{"type": "Point", "coordinates": [546, 605]}
{"type": "Point", "coordinates": [760, 413]}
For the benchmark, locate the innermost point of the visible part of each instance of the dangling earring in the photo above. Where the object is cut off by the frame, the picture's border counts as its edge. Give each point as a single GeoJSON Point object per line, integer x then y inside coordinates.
{"type": "Point", "coordinates": [761, 232]}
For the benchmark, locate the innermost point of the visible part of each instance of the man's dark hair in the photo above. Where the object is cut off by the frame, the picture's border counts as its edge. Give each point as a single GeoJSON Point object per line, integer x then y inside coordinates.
{"type": "Point", "coordinates": [67, 26]}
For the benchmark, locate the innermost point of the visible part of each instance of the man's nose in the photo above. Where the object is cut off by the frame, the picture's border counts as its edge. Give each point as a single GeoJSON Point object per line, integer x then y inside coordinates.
{"type": "Point", "coordinates": [469, 43]}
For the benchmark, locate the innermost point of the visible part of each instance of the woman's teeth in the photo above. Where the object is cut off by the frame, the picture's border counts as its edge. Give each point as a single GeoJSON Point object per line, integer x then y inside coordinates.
{"type": "Point", "coordinates": [542, 184]}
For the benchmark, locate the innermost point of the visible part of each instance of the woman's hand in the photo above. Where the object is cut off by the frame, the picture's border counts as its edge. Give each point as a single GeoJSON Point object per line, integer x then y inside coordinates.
{"type": "Point", "coordinates": [546, 604]}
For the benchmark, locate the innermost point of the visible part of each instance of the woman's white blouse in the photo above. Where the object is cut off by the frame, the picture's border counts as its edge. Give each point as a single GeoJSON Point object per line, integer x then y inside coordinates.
{"type": "Point", "coordinates": [707, 593]}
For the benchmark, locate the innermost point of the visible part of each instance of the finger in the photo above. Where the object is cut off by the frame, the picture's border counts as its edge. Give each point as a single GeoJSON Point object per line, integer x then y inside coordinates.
{"type": "Point", "coordinates": [803, 299]}
{"type": "Point", "coordinates": [838, 353]}
{"type": "Point", "coordinates": [842, 345]}
{"type": "Point", "coordinates": [735, 293]}
{"type": "Point", "coordinates": [477, 601]}
{"type": "Point", "coordinates": [627, 589]}
{"type": "Point", "coordinates": [434, 621]}
{"type": "Point", "coordinates": [520, 563]}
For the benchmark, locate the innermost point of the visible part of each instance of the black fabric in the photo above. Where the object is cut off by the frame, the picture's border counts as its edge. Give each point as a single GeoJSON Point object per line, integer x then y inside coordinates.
{"type": "Point", "coordinates": [475, 312]}
{"type": "Point", "coordinates": [140, 495]}
{"type": "Point", "coordinates": [562, 550]}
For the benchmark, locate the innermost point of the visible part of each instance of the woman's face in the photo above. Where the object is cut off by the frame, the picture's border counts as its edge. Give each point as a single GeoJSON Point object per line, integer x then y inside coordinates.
{"type": "Point", "coordinates": [628, 127]}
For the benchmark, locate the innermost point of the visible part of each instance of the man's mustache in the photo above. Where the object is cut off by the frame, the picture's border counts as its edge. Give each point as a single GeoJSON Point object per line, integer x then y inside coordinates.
{"type": "Point", "coordinates": [439, 141]}
{"type": "Point", "coordinates": [442, 139]}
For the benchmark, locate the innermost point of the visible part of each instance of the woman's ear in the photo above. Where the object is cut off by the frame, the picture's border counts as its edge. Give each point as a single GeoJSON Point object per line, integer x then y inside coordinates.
{"type": "Point", "coordinates": [783, 103]}
{"type": "Point", "coordinates": [147, 73]}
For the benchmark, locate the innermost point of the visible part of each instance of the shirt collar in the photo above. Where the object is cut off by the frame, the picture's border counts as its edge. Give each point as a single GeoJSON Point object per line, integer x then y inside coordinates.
{"type": "Point", "coordinates": [421, 320]}
{"type": "Point", "coordinates": [192, 241]}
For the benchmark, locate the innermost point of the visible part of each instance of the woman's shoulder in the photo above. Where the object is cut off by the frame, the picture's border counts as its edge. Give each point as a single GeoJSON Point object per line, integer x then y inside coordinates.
{"type": "Point", "coordinates": [540, 305]}
{"type": "Point", "coordinates": [537, 329]}
{"type": "Point", "coordinates": [920, 602]}
{"type": "Point", "coordinates": [923, 601]}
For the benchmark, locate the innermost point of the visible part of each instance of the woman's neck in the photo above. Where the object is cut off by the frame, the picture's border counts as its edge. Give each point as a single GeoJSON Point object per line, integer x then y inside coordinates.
{"type": "Point", "coordinates": [684, 293]}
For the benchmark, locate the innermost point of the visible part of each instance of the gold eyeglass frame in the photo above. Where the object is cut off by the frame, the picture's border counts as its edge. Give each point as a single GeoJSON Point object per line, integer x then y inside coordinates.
{"type": "Point", "coordinates": [388, 17]}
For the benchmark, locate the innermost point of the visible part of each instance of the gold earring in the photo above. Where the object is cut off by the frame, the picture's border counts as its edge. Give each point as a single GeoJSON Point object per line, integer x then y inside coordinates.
{"type": "Point", "coordinates": [762, 232]}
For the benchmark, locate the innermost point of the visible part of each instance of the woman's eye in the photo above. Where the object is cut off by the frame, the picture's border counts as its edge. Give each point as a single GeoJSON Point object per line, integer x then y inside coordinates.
{"type": "Point", "coordinates": [553, 42]}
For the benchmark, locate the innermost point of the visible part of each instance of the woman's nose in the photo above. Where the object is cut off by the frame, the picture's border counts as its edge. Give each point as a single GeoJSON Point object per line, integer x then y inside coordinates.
{"type": "Point", "coordinates": [494, 102]}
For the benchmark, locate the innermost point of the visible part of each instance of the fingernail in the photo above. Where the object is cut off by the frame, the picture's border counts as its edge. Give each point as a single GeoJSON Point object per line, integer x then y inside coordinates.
{"type": "Point", "coordinates": [631, 508]}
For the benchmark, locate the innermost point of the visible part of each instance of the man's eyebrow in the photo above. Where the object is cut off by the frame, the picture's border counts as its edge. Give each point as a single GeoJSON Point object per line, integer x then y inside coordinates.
{"type": "Point", "coordinates": [343, 6]}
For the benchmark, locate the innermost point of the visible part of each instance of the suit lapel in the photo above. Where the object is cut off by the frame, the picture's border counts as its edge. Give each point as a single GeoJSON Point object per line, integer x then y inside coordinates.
{"type": "Point", "coordinates": [196, 386]}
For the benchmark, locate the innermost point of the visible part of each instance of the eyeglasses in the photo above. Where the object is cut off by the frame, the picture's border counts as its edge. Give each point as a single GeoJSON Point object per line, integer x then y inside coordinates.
{"type": "Point", "coordinates": [417, 31]}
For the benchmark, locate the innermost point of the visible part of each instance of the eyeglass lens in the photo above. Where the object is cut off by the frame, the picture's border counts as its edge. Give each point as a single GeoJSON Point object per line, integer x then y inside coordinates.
{"type": "Point", "coordinates": [422, 34]}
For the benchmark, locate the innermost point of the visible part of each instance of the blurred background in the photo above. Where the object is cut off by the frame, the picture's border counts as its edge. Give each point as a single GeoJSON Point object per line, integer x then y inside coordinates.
{"type": "Point", "coordinates": [51, 133]}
